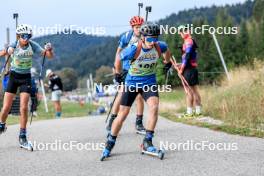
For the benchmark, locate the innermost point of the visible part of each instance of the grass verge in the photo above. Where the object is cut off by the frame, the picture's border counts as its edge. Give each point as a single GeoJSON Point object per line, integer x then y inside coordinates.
{"type": "Point", "coordinates": [69, 109]}
{"type": "Point", "coordinates": [238, 103]}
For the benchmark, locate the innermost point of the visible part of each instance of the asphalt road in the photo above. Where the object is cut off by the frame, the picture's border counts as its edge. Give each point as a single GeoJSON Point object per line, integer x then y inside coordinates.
{"type": "Point", "coordinates": [243, 156]}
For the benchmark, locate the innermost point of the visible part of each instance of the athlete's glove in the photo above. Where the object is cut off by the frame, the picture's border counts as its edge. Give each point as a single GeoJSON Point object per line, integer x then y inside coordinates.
{"type": "Point", "coordinates": [118, 78]}
{"type": "Point", "coordinates": [48, 47]}
{"type": "Point", "coordinates": [167, 67]}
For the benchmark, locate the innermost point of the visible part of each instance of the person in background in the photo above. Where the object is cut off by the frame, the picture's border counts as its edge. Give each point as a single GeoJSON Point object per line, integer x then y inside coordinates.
{"type": "Point", "coordinates": [56, 87]}
{"type": "Point", "coordinates": [189, 71]}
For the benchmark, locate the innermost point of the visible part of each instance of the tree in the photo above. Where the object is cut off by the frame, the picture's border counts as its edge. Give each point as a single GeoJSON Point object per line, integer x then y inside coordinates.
{"type": "Point", "coordinates": [258, 10]}
{"type": "Point", "coordinates": [103, 75]}
{"type": "Point", "coordinates": [243, 42]}
{"type": "Point", "coordinates": [69, 79]}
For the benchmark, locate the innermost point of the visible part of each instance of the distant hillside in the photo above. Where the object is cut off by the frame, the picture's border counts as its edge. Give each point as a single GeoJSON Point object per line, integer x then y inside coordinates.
{"type": "Point", "coordinates": [69, 49]}
{"type": "Point", "coordinates": [238, 12]}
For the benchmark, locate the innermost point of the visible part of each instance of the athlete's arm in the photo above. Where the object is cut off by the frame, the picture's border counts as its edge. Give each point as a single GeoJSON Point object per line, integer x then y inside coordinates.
{"type": "Point", "coordinates": [10, 49]}
{"type": "Point", "coordinates": [128, 53]}
{"type": "Point", "coordinates": [118, 65]}
{"type": "Point", "coordinates": [166, 56]}
{"type": "Point", "coordinates": [122, 44]}
{"type": "Point", "coordinates": [187, 55]}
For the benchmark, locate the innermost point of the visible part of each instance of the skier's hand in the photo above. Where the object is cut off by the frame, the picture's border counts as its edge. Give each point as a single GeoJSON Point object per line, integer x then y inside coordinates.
{"type": "Point", "coordinates": [46, 85]}
{"type": "Point", "coordinates": [48, 46]}
{"type": "Point", "coordinates": [118, 78]}
{"type": "Point", "coordinates": [167, 67]}
{"type": "Point", "coordinates": [10, 51]}
{"type": "Point", "coordinates": [180, 71]}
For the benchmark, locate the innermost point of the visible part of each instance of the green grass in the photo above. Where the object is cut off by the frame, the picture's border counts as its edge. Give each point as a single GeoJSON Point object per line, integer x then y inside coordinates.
{"type": "Point", "coordinates": [69, 109]}
{"type": "Point", "coordinates": [175, 95]}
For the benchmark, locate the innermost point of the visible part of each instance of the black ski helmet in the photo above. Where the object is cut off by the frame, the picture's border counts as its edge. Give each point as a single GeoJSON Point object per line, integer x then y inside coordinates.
{"type": "Point", "coordinates": [150, 29]}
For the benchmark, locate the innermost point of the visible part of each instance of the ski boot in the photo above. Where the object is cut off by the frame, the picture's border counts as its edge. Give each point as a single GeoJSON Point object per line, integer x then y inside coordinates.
{"type": "Point", "coordinates": [109, 145]}
{"type": "Point", "coordinates": [2, 128]}
{"type": "Point", "coordinates": [140, 129]}
{"type": "Point", "coordinates": [198, 114]}
{"type": "Point", "coordinates": [24, 143]}
{"type": "Point", "coordinates": [187, 116]}
{"type": "Point", "coordinates": [148, 148]}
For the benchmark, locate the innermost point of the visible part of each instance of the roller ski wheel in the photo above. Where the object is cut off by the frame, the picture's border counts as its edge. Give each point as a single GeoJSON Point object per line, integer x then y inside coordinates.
{"type": "Point", "coordinates": [23, 143]}
{"type": "Point", "coordinates": [156, 153]}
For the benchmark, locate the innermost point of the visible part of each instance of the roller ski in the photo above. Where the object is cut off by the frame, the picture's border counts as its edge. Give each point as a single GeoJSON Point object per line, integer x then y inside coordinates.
{"type": "Point", "coordinates": [148, 148]}
{"type": "Point", "coordinates": [24, 143]}
{"type": "Point", "coordinates": [140, 129]}
{"type": "Point", "coordinates": [108, 147]}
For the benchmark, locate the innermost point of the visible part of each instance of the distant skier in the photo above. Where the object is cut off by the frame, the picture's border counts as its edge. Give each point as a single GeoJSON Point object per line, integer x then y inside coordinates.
{"type": "Point", "coordinates": [21, 51]}
{"type": "Point", "coordinates": [126, 40]}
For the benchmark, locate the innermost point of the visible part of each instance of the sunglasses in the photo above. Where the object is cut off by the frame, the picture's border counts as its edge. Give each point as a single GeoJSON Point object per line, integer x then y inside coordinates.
{"type": "Point", "coordinates": [151, 39]}
{"type": "Point", "coordinates": [25, 36]}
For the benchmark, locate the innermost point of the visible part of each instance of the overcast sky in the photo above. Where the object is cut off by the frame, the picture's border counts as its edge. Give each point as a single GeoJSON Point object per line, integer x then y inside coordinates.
{"type": "Point", "coordinates": [113, 15]}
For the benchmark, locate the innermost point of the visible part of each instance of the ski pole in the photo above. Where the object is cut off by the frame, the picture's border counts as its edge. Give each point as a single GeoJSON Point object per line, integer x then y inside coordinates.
{"type": "Point", "coordinates": [148, 10]}
{"type": "Point", "coordinates": [184, 82]}
{"type": "Point", "coordinates": [42, 83]}
{"type": "Point", "coordinates": [187, 84]}
{"type": "Point", "coordinates": [167, 78]}
{"type": "Point", "coordinates": [111, 107]}
{"type": "Point", "coordinates": [31, 111]}
{"type": "Point", "coordinates": [140, 5]}
{"type": "Point", "coordinates": [42, 86]}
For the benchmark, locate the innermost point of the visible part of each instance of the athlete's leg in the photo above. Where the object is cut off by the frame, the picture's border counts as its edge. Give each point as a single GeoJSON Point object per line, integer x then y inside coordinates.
{"type": "Point", "coordinates": [127, 99]}
{"type": "Point", "coordinates": [140, 105]}
{"type": "Point", "coordinates": [24, 99]}
{"type": "Point", "coordinates": [152, 99]}
{"type": "Point", "coordinates": [8, 101]}
{"type": "Point", "coordinates": [189, 102]}
{"type": "Point", "coordinates": [118, 122]}
{"type": "Point", "coordinates": [115, 108]}
{"type": "Point", "coordinates": [140, 109]}
{"type": "Point", "coordinates": [197, 100]}
{"type": "Point", "coordinates": [153, 106]}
